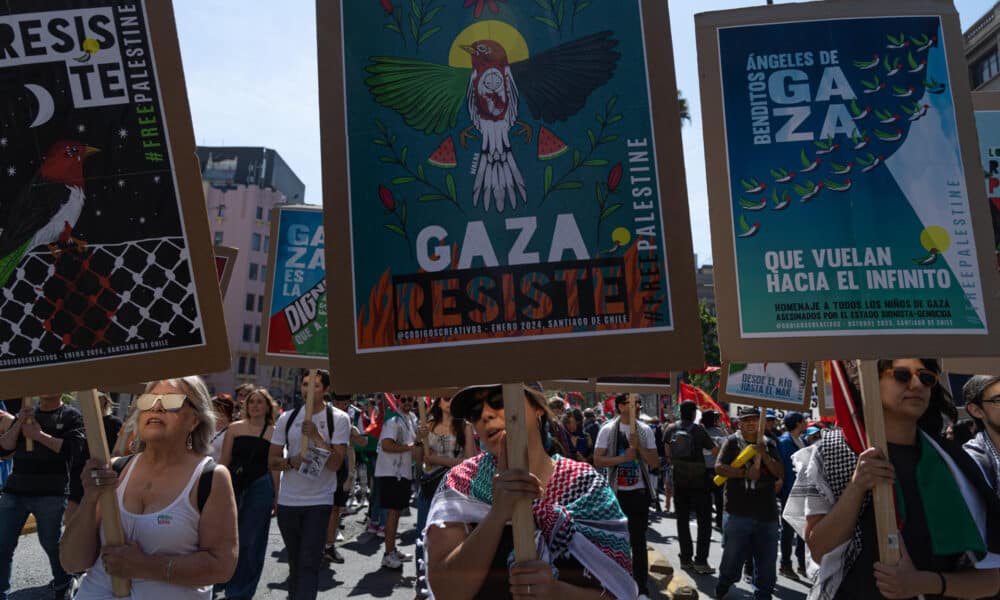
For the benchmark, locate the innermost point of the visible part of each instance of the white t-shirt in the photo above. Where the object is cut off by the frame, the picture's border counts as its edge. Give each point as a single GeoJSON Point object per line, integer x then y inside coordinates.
{"type": "Point", "coordinates": [629, 475]}
{"type": "Point", "coordinates": [297, 489]}
{"type": "Point", "coordinates": [403, 429]}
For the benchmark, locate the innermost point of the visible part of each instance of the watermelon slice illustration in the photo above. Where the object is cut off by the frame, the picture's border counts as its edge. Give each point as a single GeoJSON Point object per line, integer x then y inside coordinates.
{"type": "Point", "coordinates": [444, 157]}
{"type": "Point", "coordinates": [549, 145]}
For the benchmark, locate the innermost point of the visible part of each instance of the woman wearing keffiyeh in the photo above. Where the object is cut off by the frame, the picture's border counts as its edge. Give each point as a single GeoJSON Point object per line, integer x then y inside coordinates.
{"type": "Point", "coordinates": [580, 531]}
{"type": "Point", "coordinates": [948, 517]}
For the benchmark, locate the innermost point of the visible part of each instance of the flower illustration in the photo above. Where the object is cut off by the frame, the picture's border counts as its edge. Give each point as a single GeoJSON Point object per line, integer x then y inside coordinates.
{"type": "Point", "coordinates": [479, 6]}
{"type": "Point", "coordinates": [386, 6]}
{"type": "Point", "coordinates": [614, 178]}
{"type": "Point", "coordinates": [385, 197]}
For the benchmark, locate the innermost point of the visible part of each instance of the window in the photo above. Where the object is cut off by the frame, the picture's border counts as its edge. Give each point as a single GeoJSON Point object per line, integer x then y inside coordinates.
{"type": "Point", "coordinates": [985, 69]}
{"type": "Point", "coordinates": [267, 242]}
{"type": "Point", "coordinates": [253, 366]}
{"type": "Point", "coordinates": [220, 211]}
{"type": "Point", "coordinates": [263, 272]}
{"type": "Point", "coordinates": [250, 299]}
{"type": "Point", "coordinates": [255, 242]}
{"type": "Point", "coordinates": [242, 368]}
{"type": "Point", "coordinates": [218, 238]}
{"type": "Point", "coordinates": [247, 332]}
{"type": "Point", "coordinates": [253, 271]}
{"type": "Point", "coordinates": [260, 303]}
{"type": "Point", "coordinates": [260, 213]}
{"type": "Point", "coordinates": [256, 334]}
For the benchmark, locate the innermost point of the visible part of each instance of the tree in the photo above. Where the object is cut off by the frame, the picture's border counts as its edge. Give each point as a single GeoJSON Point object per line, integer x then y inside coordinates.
{"type": "Point", "coordinates": [710, 342]}
{"type": "Point", "coordinates": [685, 110]}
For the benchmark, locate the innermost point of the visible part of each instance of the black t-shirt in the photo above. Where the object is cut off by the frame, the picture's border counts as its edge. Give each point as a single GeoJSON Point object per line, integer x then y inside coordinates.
{"type": "Point", "coordinates": [43, 472]}
{"type": "Point", "coordinates": [859, 582]}
{"type": "Point", "coordinates": [758, 502]}
{"type": "Point", "coordinates": [700, 438]}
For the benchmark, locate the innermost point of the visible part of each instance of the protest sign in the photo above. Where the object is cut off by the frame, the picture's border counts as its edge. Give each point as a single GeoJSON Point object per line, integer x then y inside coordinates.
{"type": "Point", "coordinates": [106, 274]}
{"type": "Point", "coordinates": [846, 208]}
{"type": "Point", "coordinates": [780, 385]}
{"type": "Point", "coordinates": [987, 111]}
{"type": "Point", "coordinates": [532, 225]}
{"type": "Point", "coordinates": [225, 262]}
{"type": "Point", "coordinates": [294, 319]}
{"type": "Point", "coordinates": [824, 388]}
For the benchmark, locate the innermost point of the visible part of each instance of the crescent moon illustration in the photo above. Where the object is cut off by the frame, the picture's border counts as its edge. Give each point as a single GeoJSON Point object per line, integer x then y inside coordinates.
{"type": "Point", "coordinates": [46, 106]}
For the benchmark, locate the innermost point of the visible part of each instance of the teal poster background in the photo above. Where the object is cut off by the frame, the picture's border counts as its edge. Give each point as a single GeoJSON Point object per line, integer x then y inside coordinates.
{"type": "Point", "coordinates": [502, 172]}
{"type": "Point", "coordinates": [297, 321]}
{"type": "Point", "coordinates": [848, 199]}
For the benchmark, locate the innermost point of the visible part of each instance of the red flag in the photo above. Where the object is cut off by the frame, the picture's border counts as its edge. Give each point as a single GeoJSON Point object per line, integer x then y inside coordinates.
{"type": "Point", "coordinates": [703, 400]}
{"type": "Point", "coordinates": [843, 406]}
{"type": "Point", "coordinates": [609, 407]}
{"type": "Point", "coordinates": [389, 408]}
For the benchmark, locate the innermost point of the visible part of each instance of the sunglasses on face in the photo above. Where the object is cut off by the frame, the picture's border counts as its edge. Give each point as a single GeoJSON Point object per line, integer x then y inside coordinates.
{"type": "Point", "coordinates": [169, 402]}
{"type": "Point", "coordinates": [495, 401]}
{"type": "Point", "coordinates": [904, 374]}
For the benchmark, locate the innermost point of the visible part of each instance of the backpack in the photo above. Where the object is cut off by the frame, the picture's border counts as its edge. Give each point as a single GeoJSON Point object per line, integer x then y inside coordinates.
{"type": "Point", "coordinates": [687, 460]}
{"type": "Point", "coordinates": [295, 413]}
{"type": "Point", "coordinates": [204, 480]}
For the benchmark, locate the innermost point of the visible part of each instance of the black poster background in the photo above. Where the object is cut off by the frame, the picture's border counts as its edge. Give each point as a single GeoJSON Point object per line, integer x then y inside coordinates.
{"type": "Point", "coordinates": [130, 203]}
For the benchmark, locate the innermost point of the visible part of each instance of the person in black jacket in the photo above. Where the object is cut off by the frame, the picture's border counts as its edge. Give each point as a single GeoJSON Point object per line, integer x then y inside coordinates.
{"type": "Point", "coordinates": [39, 483]}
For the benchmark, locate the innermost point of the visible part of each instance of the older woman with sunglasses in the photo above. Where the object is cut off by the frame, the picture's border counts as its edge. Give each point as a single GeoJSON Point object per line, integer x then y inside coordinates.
{"type": "Point", "coordinates": [176, 544]}
{"type": "Point", "coordinates": [950, 519]}
{"type": "Point", "coordinates": [583, 542]}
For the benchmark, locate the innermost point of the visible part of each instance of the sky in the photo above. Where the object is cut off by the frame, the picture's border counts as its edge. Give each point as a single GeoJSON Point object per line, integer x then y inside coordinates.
{"type": "Point", "coordinates": [252, 81]}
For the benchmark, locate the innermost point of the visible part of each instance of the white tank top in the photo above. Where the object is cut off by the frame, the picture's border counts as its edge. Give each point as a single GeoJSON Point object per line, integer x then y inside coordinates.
{"type": "Point", "coordinates": [170, 531]}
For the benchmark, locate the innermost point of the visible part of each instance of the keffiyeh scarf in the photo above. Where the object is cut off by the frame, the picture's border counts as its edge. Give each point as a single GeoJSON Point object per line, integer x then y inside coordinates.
{"type": "Point", "coordinates": [578, 516]}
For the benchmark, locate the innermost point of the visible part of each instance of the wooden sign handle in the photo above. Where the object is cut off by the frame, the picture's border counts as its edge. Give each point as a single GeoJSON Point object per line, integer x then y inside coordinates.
{"type": "Point", "coordinates": [310, 402]}
{"type": "Point", "coordinates": [97, 443]}
{"type": "Point", "coordinates": [630, 420]}
{"type": "Point", "coordinates": [885, 508]}
{"type": "Point", "coordinates": [523, 520]}
{"type": "Point", "coordinates": [422, 409]}
{"type": "Point", "coordinates": [29, 444]}
{"type": "Point", "coordinates": [761, 432]}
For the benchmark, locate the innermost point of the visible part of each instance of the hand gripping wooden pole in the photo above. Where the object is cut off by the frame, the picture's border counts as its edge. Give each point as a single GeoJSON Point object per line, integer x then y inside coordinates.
{"type": "Point", "coordinates": [422, 409]}
{"type": "Point", "coordinates": [97, 443]}
{"type": "Point", "coordinates": [310, 401]}
{"type": "Point", "coordinates": [523, 521]}
{"type": "Point", "coordinates": [29, 444]}
{"type": "Point", "coordinates": [761, 432]}
{"type": "Point", "coordinates": [885, 508]}
{"type": "Point", "coordinates": [630, 419]}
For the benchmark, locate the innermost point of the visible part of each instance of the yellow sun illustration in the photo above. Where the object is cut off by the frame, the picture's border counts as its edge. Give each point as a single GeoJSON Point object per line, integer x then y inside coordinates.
{"type": "Point", "coordinates": [935, 238]}
{"type": "Point", "coordinates": [498, 31]}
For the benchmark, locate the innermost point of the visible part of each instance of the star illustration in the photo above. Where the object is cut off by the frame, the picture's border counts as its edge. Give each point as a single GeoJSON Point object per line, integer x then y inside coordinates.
{"type": "Point", "coordinates": [3, 142]}
{"type": "Point", "coordinates": [11, 171]}
{"type": "Point", "coordinates": [81, 128]}
{"type": "Point", "coordinates": [121, 183]}
{"type": "Point", "coordinates": [123, 133]}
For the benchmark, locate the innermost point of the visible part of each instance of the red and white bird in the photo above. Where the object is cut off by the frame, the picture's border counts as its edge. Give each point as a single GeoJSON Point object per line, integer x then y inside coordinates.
{"type": "Point", "coordinates": [492, 102]}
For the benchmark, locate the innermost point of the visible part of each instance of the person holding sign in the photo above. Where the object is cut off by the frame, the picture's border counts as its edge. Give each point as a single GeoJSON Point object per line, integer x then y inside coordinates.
{"type": "Point", "coordinates": [177, 508]}
{"type": "Point", "coordinates": [949, 517]}
{"type": "Point", "coordinates": [39, 482]}
{"type": "Point", "coordinates": [750, 525]}
{"type": "Point", "coordinates": [580, 528]}
{"type": "Point", "coordinates": [308, 480]}
{"type": "Point", "coordinates": [628, 455]}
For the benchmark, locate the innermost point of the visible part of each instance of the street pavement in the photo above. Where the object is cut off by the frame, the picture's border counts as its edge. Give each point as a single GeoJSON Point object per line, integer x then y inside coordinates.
{"type": "Point", "coordinates": [361, 576]}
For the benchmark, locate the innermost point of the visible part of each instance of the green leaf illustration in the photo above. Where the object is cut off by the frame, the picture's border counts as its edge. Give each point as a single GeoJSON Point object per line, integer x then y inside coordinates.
{"type": "Point", "coordinates": [610, 210]}
{"type": "Point", "coordinates": [395, 229]}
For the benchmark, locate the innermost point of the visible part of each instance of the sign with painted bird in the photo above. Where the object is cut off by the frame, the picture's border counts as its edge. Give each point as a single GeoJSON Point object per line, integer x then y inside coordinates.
{"type": "Point", "coordinates": [500, 206]}
{"type": "Point", "coordinates": [848, 219]}
{"type": "Point", "coordinates": [106, 265]}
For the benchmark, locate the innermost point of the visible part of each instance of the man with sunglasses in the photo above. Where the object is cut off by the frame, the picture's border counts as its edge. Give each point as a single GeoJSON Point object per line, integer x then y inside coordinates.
{"type": "Point", "coordinates": [39, 483]}
{"type": "Point", "coordinates": [305, 501]}
{"type": "Point", "coordinates": [982, 401]}
{"type": "Point", "coordinates": [394, 475]}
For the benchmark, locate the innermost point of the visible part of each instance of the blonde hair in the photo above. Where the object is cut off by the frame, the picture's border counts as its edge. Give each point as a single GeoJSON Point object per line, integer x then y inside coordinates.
{"type": "Point", "coordinates": [272, 406]}
{"type": "Point", "coordinates": [197, 394]}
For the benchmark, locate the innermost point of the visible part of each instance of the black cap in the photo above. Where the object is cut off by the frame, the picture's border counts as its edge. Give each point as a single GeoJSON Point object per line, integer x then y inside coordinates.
{"type": "Point", "coordinates": [467, 397]}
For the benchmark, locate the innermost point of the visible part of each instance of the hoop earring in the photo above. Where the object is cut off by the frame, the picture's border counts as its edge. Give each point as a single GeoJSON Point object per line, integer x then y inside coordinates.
{"type": "Point", "coordinates": [190, 442]}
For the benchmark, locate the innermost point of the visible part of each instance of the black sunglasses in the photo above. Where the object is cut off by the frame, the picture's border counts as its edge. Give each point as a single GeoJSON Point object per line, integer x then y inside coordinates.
{"type": "Point", "coordinates": [904, 374]}
{"type": "Point", "coordinates": [494, 400]}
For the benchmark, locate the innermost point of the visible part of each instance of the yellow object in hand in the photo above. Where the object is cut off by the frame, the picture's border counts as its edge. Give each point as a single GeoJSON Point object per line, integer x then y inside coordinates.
{"type": "Point", "coordinates": [743, 458]}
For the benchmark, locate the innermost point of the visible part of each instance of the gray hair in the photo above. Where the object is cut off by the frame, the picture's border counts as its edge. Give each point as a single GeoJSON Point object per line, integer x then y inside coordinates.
{"type": "Point", "coordinates": [197, 394]}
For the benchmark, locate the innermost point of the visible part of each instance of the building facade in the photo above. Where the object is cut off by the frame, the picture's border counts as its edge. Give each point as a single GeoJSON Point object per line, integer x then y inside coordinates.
{"type": "Point", "coordinates": [982, 51]}
{"type": "Point", "coordinates": [242, 185]}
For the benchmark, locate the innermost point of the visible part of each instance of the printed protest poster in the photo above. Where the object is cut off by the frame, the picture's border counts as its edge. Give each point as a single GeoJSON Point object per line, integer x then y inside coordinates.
{"type": "Point", "coordinates": [782, 385]}
{"type": "Point", "coordinates": [847, 212]}
{"type": "Point", "coordinates": [505, 192]}
{"type": "Point", "coordinates": [225, 262]}
{"type": "Point", "coordinates": [294, 327]}
{"type": "Point", "coordinates": [987, 111]}
{"type": "Point", "coordinates": [106, 273]}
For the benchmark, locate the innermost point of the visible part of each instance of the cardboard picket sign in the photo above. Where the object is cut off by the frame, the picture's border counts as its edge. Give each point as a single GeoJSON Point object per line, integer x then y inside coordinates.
{"type": "Point", "coordinates": [644, 383]}
{"type": "Point", "coordinates": [120, 285]}
{"type": "Point", "coordinates": [839, 203]}
{"type": "Point", "coordinates": [779, 385]}
{"type": "Point", "coordinates": [573, 256]}
{"type": "Point", "coordinates": [294, 321]}
{"type": "Point", "coordinates": [987, 113]}
{"type": "Point", "coordinates": [570, 385]}
{"type": "Point", "coordinates": [225, 263]}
